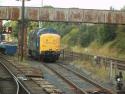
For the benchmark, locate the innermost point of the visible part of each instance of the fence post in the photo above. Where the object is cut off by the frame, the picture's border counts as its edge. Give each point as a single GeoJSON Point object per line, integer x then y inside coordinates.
{"type": "Point", "coordinates": [72, 56]}
{"type": "Point", "coordinates": [105, 62]}
{"type": "Point", "coordinates": [111, 63]}
{"type": "Point", "coordinates": [63, 54]}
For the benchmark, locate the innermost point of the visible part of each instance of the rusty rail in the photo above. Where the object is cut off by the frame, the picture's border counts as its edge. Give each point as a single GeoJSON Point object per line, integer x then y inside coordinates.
{"type": "Point", "coordinates": [8, 77]}
{"type": "Point", "coordinates": [65, 75]}
{"type": "Point", "coordinates": [20, 87]}
{"type": "Point", "coordinates": [87, 79]}
{"type": "Point", "coordinates": [67, 80]}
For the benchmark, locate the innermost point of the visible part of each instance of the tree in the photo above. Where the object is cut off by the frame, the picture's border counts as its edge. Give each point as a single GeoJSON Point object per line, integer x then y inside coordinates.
{"type": "Point", "coordinates": [106, 33]}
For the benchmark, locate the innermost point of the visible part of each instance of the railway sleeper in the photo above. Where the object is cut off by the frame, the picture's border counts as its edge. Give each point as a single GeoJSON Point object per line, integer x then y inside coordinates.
{"type": "Point", "coordinates": [96, 92]}
{"type": "Point", "coordinates": [47, 87]}
{"type": "Point", "coordinates": [6, 79]}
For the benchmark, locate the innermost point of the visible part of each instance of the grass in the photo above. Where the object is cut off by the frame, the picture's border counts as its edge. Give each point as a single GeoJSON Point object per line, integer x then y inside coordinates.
{"type": "Point", "coordinates": [106, 50]}
{"type": "Point", "coordinates": [96, 71]}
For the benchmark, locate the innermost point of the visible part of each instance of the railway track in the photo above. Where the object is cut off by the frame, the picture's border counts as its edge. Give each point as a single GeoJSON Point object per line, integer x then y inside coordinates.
{"type": "Point", "coordinates": [29, 79]}
{"type": "Point", "coordinates": [10, 83]}
{"type": "Point", "coordinates": [79, 82]}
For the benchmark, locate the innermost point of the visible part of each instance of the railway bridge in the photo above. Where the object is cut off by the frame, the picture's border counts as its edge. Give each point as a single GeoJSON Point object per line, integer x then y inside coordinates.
{"type": "Point", "coordinates": [63, 15]}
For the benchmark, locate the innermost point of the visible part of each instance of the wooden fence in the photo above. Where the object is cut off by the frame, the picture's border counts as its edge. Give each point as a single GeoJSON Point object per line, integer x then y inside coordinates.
{"type": "Point", "coordinates": [68, 55]}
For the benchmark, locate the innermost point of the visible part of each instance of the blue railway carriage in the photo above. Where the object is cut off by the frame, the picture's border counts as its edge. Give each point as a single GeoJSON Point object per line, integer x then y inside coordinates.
{"type": "Point", "coordinates": [44, 44]}
{"type": "Point", "coordinates": [7, 46]}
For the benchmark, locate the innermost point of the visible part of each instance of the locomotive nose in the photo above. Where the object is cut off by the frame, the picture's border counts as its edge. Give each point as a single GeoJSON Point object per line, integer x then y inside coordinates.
{"type": "Point", "coordinates": [50, 49]}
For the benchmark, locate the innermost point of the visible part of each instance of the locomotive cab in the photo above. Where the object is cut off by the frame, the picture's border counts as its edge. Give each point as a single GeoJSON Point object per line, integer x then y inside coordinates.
{"type": "Point", "coordinates": [44, 44]}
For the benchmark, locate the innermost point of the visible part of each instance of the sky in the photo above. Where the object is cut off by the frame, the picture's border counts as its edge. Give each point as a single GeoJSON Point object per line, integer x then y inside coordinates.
{"type": "Point", "coordinates": [83, 4]}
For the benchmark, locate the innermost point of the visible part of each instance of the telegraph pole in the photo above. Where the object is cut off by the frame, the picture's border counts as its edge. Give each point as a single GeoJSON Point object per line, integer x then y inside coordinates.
{"type": "Point", "coordinates": [22, 33]}
{"type": "Point", "coordinates": [1, 30]}
{"type": "Point", "coordinates": [40, 23]}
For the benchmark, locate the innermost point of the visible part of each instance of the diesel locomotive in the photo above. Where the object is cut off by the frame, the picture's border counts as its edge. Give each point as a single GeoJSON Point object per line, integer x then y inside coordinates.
{"type": "Point", "coordinates": [44, 44]}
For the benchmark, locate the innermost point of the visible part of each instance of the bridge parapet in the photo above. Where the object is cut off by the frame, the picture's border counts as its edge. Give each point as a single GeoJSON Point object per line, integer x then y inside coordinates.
{"type": "Point", "coordinates": [63, 15]}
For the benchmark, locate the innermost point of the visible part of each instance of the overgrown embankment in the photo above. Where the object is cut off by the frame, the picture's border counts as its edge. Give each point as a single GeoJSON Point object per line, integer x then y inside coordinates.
{"type": "Point", "coordinates": [107, 40]}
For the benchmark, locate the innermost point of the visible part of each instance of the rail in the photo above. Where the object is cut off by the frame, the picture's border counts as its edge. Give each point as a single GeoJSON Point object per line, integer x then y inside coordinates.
{"type": "Point", "coordinates": [77, 80]}
{"type": "Point", "coordinates": [6, 74]}
{"type": "Point", "coordinates": [67, 80]}
{"type": "Point", "coordinates": [17, 91]}
{"type": "Point", "coordinates": [87, 79]}
{"type": "Point", "coordinates": [18, 83]}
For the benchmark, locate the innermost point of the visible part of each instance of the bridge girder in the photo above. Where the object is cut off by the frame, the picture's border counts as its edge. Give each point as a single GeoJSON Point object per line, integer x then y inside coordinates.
{"type": "Point", "coordinates": [63, 15]}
